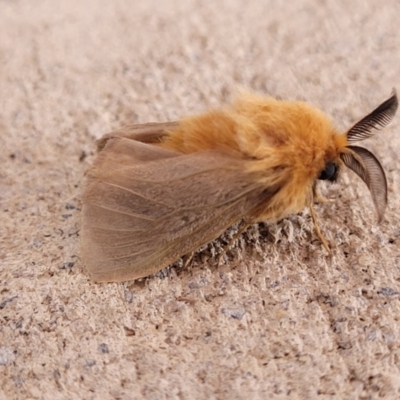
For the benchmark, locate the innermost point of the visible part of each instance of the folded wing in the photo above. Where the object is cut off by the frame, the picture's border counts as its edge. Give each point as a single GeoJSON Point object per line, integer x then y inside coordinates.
{"type": "Point", "coordinates": [145, 206]}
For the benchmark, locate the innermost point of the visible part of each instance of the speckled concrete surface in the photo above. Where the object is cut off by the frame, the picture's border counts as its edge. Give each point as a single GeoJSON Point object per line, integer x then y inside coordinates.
{"type": "Point", "coordinates": [278, 318]}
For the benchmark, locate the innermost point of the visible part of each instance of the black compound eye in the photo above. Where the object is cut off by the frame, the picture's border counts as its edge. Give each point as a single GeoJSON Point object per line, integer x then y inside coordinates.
{"type": "Point", "coordinates": [329, 173]}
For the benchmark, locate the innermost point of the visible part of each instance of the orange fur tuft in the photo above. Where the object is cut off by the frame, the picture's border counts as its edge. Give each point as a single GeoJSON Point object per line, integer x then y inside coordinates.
{"type": "Point", "coordinates": [280, 140]}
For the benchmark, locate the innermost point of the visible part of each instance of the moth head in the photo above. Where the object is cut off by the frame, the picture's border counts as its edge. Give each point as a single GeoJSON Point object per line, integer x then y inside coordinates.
{"type": "Point", "coordinates": [361, 160]}
{"type": "Point", "coordinates": [330, 172]}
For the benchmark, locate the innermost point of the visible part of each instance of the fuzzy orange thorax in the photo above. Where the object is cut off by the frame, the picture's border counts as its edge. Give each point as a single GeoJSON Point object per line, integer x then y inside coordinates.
{"type": "Point", "coordinates": [282, 140]}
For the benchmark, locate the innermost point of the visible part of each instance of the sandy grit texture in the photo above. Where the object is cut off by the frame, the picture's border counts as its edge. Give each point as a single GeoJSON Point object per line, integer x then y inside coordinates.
{"type": "Point", "coordinates": [279, 318]}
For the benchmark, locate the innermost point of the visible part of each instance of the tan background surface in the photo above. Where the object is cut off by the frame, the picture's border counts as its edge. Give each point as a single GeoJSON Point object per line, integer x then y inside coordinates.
{"type": "Point", "coordinates": [280, 319]}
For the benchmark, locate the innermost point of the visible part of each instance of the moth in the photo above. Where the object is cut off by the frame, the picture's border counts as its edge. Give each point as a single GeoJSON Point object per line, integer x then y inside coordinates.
{"type": "Point", "coordinates": [158, 191]}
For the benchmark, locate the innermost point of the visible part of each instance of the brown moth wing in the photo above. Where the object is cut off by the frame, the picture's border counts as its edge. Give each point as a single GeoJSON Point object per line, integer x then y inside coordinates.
{"type": "Point", "coordinates": [144, 207]}
{"type": "Point", "coordinates": [145, 133]}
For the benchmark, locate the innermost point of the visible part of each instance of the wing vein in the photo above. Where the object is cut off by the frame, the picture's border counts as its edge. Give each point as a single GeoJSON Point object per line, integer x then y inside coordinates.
{"type": "Point", "coordinates": [123, 213]}
{"type": "Point", "coordinates": [135, 193]}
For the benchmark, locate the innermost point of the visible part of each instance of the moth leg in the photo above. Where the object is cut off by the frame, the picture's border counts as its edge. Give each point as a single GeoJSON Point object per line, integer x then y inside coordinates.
{"type": "Point", "coordinates": [317, 230]}
{"type": "Point", "coordinates": [188, 260]}
{"type": "Point", "coordinates": [238, 233]}
{"type": "Point", "coordinates": [319, 198]}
